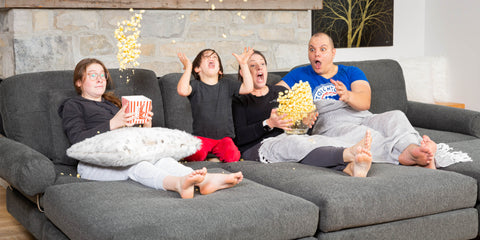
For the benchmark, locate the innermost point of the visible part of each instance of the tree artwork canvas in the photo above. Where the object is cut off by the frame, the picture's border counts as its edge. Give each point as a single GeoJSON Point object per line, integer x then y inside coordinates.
{"type": "Point", "coordinates": [356, 23]}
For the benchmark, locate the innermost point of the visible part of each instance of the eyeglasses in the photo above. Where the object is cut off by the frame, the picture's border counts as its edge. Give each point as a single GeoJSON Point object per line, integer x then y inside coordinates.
{"type": "Point", "coordinates": [95, 76]}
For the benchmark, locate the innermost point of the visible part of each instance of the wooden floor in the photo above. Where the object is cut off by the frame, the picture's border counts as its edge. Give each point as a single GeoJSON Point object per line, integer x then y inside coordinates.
{"type": "Point", "coordinates": [9, 227]}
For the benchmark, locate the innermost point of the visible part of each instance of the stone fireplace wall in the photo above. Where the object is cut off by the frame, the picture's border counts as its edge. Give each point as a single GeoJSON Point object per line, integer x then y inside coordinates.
{"type": "Point", "coordinates": [56, 39]}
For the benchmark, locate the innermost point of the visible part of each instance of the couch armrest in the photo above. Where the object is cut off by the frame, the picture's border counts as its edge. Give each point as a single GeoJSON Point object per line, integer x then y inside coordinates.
{"type": "Point", "coordinates": [24, 168]}
{"type": "Point", "coordinates": [444, 118]}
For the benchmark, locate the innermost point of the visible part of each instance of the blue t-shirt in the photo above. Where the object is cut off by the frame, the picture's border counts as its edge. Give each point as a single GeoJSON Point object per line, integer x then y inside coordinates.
{"type": "Point", "coordinates": [322, 88]}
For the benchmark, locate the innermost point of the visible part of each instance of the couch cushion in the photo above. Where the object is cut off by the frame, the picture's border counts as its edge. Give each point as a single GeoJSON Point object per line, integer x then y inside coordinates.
{"type": "Point", "coordinates": [472, 169]}
{"type": "Point", "coordinates": [387, 84]}
{"type": "Point", "coordinates": [24, 168]}
{"type": "Point", "coordinates": [177, 109]}
{"type": "Point", "coordinates": [59, 140]}
{"type": "Point", "coordinates": [389, 193]}
{"type": "Point", "coordinates": [25, 110]}
{"type": "Point", "coordinates": [444, 136]}
{"type": "Point", "coordinates": [457, 224]}
{"type": "Point", "coordinates": [127, 210]}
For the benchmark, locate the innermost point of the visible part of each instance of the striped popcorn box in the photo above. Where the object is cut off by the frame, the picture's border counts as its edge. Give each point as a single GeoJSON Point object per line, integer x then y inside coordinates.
{"type": "Point", "coordinates": [139, 105]}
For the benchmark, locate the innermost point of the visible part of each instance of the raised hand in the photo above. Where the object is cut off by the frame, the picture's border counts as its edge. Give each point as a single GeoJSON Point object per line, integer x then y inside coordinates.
{"type": "Point", "coordinates": [184, 60]}
{"type": "Point", "coordinates": [243, 58]}
{"type": "Point", "coordinates": [342, 91]}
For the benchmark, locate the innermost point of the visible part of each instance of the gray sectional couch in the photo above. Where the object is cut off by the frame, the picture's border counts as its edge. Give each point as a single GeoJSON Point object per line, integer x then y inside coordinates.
{"type": "Point", "coordinates": [275, 201]}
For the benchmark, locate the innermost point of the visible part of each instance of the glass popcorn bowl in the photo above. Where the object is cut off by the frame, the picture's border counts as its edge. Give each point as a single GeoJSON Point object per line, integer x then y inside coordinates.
{"type": "Point", "coordinates": [301, 121]}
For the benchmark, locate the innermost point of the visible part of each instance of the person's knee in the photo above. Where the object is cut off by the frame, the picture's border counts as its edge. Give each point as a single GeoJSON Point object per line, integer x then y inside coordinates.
{"type": "Point", "coordinates": [226, 150]}
{"type": "Point", "coordinates": [397, 114]}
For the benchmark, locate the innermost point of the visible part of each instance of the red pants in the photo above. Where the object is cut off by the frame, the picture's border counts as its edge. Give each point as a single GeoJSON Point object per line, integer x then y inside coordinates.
{"type": "Point", "coordinates": [224, 149]}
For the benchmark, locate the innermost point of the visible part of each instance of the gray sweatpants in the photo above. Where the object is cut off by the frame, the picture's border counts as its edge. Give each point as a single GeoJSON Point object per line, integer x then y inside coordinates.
{"type": "Point", "coordinates": [391, 131]}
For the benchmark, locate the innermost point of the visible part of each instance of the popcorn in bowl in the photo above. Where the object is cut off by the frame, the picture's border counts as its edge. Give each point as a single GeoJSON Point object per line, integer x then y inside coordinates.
{"type": "Point", "coordinates": [297, 105]}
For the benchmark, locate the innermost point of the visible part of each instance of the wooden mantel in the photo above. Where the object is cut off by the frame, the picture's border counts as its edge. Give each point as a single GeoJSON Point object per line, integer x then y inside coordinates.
{"type": "Point", "coordinates": [167, 4]}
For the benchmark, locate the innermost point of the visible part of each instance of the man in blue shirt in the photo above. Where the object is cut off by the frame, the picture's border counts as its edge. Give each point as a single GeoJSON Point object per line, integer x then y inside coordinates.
{"type": "Point", "coordinates": [394, 139]}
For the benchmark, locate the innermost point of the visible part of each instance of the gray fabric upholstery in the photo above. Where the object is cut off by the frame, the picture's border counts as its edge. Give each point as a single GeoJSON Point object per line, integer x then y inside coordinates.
{"type": "Point", "coordinates": [449, 225]}
{"type": "Point", "coordinates": [25, 110]}
{"type": "Point", "coordinates": [444, 118]}
{"type": "Point", "coordinates": [389, 193]}
{"type": "Point", "coordinates": [126, 210]}
{"type": "Point", "coordinates": [60, 141]}
{"type": "Point", "coordinates": [472, 169]}
{"type": "Point", "coordinates": [444, 136]}
{"type": "Point", "coordinates": [25, 212]}
{"type": "Point", "coordinates": [177, 110]}
{"type": "Point", "coordinates": [387, 84]}
{"type": "Point", "coordinates": [24, 168]}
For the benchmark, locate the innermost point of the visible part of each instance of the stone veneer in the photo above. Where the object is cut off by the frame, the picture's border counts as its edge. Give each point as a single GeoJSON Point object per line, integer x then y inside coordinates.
{"type": "Point", "coordinates": [56, 39]}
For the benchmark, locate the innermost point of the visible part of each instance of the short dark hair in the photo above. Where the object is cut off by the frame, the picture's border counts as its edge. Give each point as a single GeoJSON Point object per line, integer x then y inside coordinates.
{"type": "Point", "coordinates": [198, 60]}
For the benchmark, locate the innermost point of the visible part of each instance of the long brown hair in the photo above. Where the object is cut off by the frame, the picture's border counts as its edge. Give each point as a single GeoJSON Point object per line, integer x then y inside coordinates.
{"type": "Point", "coordinates": [198, 60]}
{"type": "Point", "coordinates": [80, 72]}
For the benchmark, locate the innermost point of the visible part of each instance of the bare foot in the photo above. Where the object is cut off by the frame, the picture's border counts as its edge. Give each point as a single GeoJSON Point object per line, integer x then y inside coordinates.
{"type": "Point", "coordinates": [213, 159]}
{"type": "Point", "coordinates": [417, 155]}
{"type": "Point", "coordinates": [217, 181]}
{"type": "Point", "coordinates": [362, 163]}
{"type": "Point", "coordinates": [366, 142]}
{"type": "Point", "coordinates": [185, 185]}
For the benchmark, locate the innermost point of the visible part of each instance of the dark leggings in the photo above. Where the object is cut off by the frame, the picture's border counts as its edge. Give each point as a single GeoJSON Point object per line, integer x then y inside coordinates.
{"type": "Point", "coordinates": [327, 157]}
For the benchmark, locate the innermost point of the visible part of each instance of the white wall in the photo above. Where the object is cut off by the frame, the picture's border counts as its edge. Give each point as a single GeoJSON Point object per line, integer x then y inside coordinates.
{"type": "Point", "coordinates": [452, 31]}
{"type": "Point", "coordinates": [435, 28]}
{"type": "Point", "coordinates": [408, 35]}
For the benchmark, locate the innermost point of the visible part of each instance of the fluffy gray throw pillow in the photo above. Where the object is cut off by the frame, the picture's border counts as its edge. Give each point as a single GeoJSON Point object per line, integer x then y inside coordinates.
{"type": "Point", "coordinates": [127, 146]}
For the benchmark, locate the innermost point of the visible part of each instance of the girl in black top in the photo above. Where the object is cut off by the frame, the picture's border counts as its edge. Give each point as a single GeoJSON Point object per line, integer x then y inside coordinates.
{"type": "Point", "coordinates": [94, 111]}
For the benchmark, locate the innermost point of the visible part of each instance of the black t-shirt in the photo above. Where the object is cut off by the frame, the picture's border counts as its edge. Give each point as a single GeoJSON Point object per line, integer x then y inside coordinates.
{"type": "Point", "coordinates": [249, 112]}
{"type": "Point", "coordinates": [212, 108]}
{"type": "Point", "coordinates": [83, 118]}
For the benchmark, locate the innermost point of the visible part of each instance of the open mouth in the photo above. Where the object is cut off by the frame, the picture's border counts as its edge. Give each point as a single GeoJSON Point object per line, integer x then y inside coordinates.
{"type": "Point", "coordinates": [211, 64]}
{"type": "Point", "coordinates": [260, 76]}
{"type": "Point", "coordinates": [318, 64]}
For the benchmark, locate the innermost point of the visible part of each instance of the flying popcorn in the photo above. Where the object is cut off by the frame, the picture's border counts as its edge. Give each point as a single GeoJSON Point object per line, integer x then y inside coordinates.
{"type": "Point", "coordinates": [127, 34]}
{"type": "Point", "coordinates": [297, 104]}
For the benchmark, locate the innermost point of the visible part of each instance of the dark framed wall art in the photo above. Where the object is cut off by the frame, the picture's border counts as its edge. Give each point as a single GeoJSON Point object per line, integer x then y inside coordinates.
{"type": "Point", "coordinates": [356, 23]}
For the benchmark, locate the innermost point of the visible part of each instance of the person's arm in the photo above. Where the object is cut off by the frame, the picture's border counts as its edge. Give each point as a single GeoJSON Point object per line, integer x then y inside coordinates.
{"type": "Point", "coordinates": [74, 124]}
{"type": "Point", "coordinates": [247, 85]}
{"type": "Point", "coordinates": [359, 98]}
{"type": "Point", "coordinates": [244, 132]}
{"type": "Point", "coordinates": [148, 124]}
{"type": "Point", "coordinates": [284, 84]}
{"type": "Point", "coordinates": [183, 88]}
{"type": "Point", "coordinates": [121, 119]}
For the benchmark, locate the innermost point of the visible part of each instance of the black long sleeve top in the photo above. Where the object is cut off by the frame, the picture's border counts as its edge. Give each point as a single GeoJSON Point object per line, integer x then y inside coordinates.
{"type": "Point", "coordinates": [249, 112]}
{"type": "Point", "coordinates": [83, 118]}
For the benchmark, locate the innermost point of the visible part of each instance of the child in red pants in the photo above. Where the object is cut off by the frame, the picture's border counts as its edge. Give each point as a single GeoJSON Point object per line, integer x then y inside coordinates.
{"type": "Point", "coordinates": [211, 101]}
{"type": "Point", "coordinates": [224, 149]}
